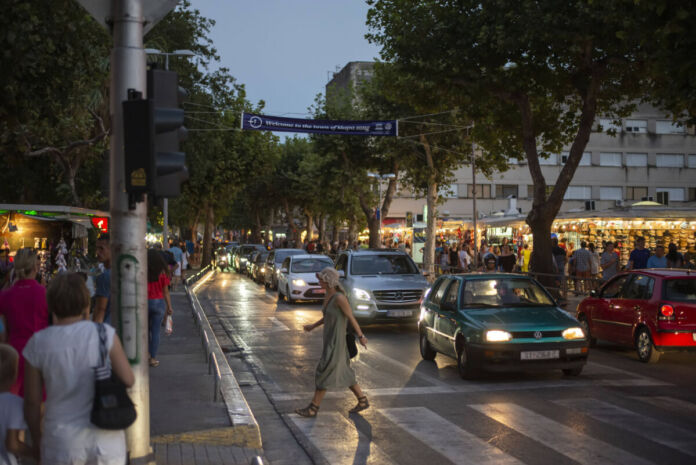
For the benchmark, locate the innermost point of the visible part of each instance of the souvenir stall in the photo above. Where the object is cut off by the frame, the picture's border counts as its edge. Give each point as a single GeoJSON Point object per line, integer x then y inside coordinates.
{"type": "Point", "coordinates": [658, 225]}
{"type": "Point", "coordinates": [497, 230]}
{"type": "Point", "coordinates": [59, 234]}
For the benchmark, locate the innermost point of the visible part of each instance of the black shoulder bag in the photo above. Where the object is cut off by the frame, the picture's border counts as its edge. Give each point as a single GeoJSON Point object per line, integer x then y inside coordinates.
{"type": "Point", "coordinates": [112, 408]}
{"type": "Point", "coordinates": [352, 346]}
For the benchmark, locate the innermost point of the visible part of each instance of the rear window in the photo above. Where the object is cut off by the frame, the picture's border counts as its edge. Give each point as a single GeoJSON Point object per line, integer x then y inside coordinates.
{"type": "Point", "coordinates": [680, 290]}
{"type": "Point", "coordinates": [310, 265]}
{"type": "Point", "coordinates": [283, 254]}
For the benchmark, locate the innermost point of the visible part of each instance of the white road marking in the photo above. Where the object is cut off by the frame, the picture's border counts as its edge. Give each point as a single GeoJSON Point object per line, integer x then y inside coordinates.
{"type": "Point", "coordinates": [642, 425]}
{"type": "Point", "coordinates": [448, 439]}
{"type": "Point", "coordinates": [278, 325]}
{"type": "Point", "coordinates": [339, 441]}
{"type": "Point", "coordinates": [472, 387]}
{"type": "Point", "coordinates": [557, 436]}
{"type": "Point", "coordinates": [670, 403]}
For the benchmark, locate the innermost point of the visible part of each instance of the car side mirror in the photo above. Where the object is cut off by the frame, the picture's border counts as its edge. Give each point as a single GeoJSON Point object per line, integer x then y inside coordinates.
{"type": "Point", "coordinates": [341, 274]}
{"type": "Point", "coordinates": [593, 293]}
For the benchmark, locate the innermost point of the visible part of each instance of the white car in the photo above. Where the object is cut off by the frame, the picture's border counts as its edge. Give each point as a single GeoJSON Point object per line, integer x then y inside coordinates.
{"type": "Point", "coordinates": [297, 279]}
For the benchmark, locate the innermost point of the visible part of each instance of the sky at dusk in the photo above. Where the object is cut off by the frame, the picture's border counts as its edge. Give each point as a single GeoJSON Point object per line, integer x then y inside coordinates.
{"type": "Point", "coordinates": [284, 50]}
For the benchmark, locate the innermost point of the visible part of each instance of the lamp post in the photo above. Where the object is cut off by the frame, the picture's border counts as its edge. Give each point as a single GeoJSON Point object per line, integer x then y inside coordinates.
{"type": "Point", "coordinates": [165, 201]}
{"type": "Point", "coordinates": [380, 178]}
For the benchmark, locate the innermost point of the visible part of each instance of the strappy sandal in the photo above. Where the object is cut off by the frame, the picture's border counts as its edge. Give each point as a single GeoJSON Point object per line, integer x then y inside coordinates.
{"type": "Point", "coordinates": [363, 404]}
{"type": "Point", "coordinates": [309, 411]}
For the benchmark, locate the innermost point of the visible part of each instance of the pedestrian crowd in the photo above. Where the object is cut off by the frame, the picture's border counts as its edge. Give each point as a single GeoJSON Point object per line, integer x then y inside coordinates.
{"type": "Point", "coordinates": [51, 342]}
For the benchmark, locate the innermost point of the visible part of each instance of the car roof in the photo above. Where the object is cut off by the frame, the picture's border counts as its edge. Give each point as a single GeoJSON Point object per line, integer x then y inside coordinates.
{"type": "Point", "coordinates": [288, 250]}
{"type": "Point", "coordinates": [665, 272]}
{"type": "Point", "coordinates": [482, 275]}
{"type": "Point", "coordinates": [375, 252]}
{"type": "Point", "coordinates": [314, 255]}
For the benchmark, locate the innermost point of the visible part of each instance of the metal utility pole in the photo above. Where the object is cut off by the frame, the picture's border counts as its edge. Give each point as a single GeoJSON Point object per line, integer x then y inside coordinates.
{"type": "Point", "coordinates": [380, 178]}
{"type": "Point", "coordinates": [475, 213]}
{"type": "Point", "coordinates": [129, 269]}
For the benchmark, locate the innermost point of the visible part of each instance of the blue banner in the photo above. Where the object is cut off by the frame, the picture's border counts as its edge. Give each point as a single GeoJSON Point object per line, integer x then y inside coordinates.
{"type": "Point", "coordinates": [254, 122]}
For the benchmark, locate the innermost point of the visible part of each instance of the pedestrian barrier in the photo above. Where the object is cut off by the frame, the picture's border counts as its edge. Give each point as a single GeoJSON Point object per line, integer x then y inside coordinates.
{"type": "Point", "coordinates": [245, 429]}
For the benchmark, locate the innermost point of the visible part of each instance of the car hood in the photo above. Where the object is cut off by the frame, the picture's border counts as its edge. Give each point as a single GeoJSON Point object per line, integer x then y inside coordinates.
{"type": "Point", "coordinates": [307, 277]}
{"type": "Point", "coordinates": [520, 318]}
{"type": "Point", "coordinates": [388, 282]}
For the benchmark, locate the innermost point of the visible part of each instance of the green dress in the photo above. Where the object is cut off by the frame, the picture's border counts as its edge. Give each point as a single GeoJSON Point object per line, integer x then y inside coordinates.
{"type": "Point", "coordinates": [333, 370]}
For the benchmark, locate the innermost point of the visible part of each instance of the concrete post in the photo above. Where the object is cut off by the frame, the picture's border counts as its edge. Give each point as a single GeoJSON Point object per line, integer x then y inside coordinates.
{"type": "Point", "coordinates": [128, 227]}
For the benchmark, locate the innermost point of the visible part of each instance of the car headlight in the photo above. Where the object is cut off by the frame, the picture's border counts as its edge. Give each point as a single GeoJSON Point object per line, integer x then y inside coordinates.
{"type": "Point", "coordinates": [299, 282]}
{"type": "Point", "coordinates": [242, 259]}
{"type": "Point", "coordinates": [361, 294]}
{"type": "Point", "coordinates": [573, 333]}
{"type": "Point", "coordinates": [262, 269]}
{"type": "Point", "coordinates": [498, 336]}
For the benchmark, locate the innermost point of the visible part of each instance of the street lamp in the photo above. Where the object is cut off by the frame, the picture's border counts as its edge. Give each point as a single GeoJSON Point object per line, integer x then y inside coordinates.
{"type": "Point", "coordinates": [380, 178]}
{"type": "Point", "coordinates": [165, 201]}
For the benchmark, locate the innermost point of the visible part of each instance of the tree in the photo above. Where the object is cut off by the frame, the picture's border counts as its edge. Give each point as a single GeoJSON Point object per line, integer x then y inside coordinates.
{"type": "Point", "coordinates": [532, 74]}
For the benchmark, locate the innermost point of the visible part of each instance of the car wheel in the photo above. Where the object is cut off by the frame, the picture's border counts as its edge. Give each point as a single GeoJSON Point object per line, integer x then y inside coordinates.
{"type": "Point", "coordinates": [586, 328]}
{"type": "Point", "coordinates": [280, 296]}
{"type": "Point", "coordinates": [287, 295]}
{"type": "Point", "coordinates": [647, 353]}
{"type": "Point", "coordinates": [466, 367]}
{"type": "Point", "coordinates": [572, 371]}
{"type": "Point", "coordinates": [426, 350]}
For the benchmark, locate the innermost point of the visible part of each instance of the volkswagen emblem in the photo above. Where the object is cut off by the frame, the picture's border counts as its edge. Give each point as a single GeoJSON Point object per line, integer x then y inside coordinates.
{"type": "Point", "coordinates": [537, 334]}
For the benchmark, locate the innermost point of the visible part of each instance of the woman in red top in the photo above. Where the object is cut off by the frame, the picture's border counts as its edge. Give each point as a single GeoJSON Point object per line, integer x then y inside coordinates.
{"type": "Point", "coordinates": [24, 309]}
{"type": "Point", "coordinates": [158, 301]}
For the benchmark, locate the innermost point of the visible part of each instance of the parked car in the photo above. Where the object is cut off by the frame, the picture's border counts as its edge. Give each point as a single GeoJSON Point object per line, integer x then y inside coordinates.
{"type": "Point", "coordinates": [273, 262]}
{"type": "Point", "coordinates": [381, 285]}
{"type": "Point", "coordinates": [652, 310]}
{"type": "Point", "coordinates": [241, 257]}
{"type": "Point", "coordinates": [499, 322]}
{"type": "Point", "coordinates": [258, 266]}
{"type": "Point", "coordinates": [297, 279]}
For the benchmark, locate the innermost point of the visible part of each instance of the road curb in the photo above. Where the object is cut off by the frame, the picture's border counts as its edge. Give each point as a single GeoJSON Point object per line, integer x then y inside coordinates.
{"type": "Point", "coordinates": [244, 430]}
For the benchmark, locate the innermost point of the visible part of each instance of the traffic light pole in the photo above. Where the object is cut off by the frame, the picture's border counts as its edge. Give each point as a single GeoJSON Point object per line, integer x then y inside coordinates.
{"type": "Point", "coordinates": [128, 226]}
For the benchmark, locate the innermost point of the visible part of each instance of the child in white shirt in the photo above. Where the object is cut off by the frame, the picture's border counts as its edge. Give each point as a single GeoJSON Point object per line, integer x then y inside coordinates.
{"type": "Point", "coordinates": [12, 425]}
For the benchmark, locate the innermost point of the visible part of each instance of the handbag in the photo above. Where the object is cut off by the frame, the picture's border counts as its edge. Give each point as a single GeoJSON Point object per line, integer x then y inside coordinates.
{"type": "Point", "coordinates": [112, 409]}
{"type": "Point", "coordinates": [352, 346]}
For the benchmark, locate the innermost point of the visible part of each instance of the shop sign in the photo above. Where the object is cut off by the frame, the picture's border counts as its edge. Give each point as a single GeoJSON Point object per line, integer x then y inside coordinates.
{"type": "Point", "coordinates": [101, 223]}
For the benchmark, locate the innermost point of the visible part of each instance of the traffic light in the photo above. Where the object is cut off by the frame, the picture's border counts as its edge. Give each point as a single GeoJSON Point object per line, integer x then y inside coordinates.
{"type": "Point", "coordinates": [153, 130]}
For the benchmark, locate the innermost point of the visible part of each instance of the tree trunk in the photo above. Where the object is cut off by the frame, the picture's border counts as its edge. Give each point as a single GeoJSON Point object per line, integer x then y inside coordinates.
{"type": "Point", "coordinates": [334, 232]}
{"type": "Point", "coordinates": [430, 229]}
{"type": "Point", "coordinates": [257, 227]}
{"type": "Point", "coordinates": [373, 226]}
{"type": "Point", "coordinates": [352, 231]}
{"type": "Point", "coordinates": [310, 226]}
{"type": "Point", "coordinates": [194, 227]}
{"type": "Point", "coordinates": [207, 232]}
{"type": "Point", "coordinates": [292, 227]}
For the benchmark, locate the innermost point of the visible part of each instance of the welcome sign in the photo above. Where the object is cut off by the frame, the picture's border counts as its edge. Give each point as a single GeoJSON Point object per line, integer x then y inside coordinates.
{"type": "Point", "coordinates": [254, 122]}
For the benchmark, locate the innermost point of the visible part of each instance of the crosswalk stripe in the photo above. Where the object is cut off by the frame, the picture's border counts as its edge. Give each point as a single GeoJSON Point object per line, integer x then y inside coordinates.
{"type": "Point", "coordinates": [557, 436]}
{"type": "Point", "coordinates": [339, 441]}
{"type": "Point", "coordinates": [471, 387]}
{"type": "Point", "coordinates": [459, 446]}
{"type": "Point", "coordinates": [278, 325]}
{"type": "Point", "coordinates": [647, 427]}
{"type": "Point", "coordinates": [670, 403]}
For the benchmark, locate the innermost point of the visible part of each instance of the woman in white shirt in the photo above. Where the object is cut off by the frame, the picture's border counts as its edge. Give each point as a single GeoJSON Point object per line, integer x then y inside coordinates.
{"type": "Point", "coordinates": [63, 358]}
{"type": "Point", "coordinates": [464, 257]}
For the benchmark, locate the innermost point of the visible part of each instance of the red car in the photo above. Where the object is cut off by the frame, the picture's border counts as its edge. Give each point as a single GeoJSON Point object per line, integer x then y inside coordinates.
{"type": "Point", "coordinates": [652, 310]}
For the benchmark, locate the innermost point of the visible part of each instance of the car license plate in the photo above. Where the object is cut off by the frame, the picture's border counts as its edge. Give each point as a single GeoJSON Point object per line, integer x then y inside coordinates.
{"type": "Point", "coordinates": [539, 355]}
{"type": "Point", "coordinates": [400, 313]}
{"type": "Point", "coordinates": [319, 291]}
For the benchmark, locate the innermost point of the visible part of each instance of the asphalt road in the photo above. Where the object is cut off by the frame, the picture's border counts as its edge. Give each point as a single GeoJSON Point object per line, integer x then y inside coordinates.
{"type": "Point", "coordinates": [618, 411]}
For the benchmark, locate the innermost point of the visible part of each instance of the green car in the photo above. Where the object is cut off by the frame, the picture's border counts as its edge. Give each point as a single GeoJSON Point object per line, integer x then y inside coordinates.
{"type": "Point", "coordinates": [499, 322]}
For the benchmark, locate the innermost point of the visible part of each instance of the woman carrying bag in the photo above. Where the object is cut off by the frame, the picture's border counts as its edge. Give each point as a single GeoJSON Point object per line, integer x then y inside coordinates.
{"type": "Point", "coordinates": [333, 370]}
{"type": "Point", "coordinates": [63, 358]}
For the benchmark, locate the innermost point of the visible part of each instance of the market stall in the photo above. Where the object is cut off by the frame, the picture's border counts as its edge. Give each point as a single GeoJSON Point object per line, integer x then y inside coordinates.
{"type": "Point", "coordinates": [59, 234]}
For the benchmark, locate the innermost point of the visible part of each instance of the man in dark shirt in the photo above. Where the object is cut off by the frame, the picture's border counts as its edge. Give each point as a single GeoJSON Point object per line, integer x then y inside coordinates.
{"type": "Point", "coordinates": [638, 259]}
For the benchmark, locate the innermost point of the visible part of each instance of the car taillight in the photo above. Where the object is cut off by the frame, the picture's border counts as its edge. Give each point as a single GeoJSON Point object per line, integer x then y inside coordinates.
{"type": "Point", "coordinates": [666, 312]}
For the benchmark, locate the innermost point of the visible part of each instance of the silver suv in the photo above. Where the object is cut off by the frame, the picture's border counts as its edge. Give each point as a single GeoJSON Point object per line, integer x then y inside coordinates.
{"type": "Point", "coordinates": [381, 285]}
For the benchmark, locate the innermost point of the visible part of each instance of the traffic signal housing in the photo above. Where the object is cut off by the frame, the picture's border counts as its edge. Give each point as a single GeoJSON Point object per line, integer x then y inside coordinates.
{"type": "Point", "coordinates": [153, 131]}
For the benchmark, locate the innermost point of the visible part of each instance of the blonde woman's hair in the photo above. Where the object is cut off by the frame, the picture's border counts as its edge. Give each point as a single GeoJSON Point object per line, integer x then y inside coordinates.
{"type": "Point", "coordinates": [8, 366]}
{"type": "Point", "coordinates": [25, 263]}
{"type": "Point", "coordinates": [331, 277]}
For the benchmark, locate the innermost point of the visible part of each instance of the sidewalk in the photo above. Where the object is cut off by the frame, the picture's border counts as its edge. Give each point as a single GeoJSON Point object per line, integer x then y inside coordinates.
{"type": "Point", "coordinates": [187, 426]}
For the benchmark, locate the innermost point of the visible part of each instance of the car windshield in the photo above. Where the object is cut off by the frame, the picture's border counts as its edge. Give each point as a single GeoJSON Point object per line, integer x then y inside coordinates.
{"type": "Point", "coordinates": [260, 258]}
{"type": "Point", "coordinates": [382, 264]}
{"type": "Point", "coordinates": [504, 292]}
{"type": "Point", "coordinates": [283, 254]}
{"type": "Point", "coordinates": [310, 265]}
{"type": "Point", "coordinates": [680, 290]}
